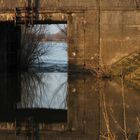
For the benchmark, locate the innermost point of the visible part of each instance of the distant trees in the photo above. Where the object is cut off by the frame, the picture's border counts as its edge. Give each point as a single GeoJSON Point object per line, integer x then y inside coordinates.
{"type": "Point", "coordinates": [59, 36]}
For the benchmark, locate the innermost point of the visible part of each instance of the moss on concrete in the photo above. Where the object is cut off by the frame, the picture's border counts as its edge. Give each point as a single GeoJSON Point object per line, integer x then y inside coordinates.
{"type": "Point", "coordinates": [128, 65]}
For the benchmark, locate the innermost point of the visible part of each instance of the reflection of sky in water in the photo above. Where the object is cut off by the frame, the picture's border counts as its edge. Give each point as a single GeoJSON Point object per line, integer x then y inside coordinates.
{"type": "Point", "coordinates": [52, 92]}
{"type": "Point", "coordinates": [56, 52]}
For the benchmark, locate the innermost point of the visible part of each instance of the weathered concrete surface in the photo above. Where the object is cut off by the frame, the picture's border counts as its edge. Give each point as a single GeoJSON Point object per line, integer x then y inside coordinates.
{"type": "Point", "coordinates": [83, 23]}
{"type": "Point", "coordinates": [120, 34]}
{"type": "Point", "coordinates": [105, 29]}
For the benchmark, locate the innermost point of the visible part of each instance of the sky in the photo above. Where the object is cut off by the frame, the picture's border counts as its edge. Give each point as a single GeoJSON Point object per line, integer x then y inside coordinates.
{"type": "Point", "coordinates": [52, 28]}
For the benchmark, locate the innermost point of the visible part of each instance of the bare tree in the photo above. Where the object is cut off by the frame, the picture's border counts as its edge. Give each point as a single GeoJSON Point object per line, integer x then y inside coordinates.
{"type": "Point", "coordinates": [31, 45]}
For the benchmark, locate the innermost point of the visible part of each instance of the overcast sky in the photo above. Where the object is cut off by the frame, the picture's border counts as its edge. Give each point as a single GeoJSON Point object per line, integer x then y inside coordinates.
{"type": "Point", "coordinates": [52, 28]}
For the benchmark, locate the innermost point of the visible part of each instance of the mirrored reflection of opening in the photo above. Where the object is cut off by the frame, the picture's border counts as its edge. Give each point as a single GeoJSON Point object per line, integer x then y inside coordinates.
{"type": "Point", "coordinates": [44, 67]}
{"type": "Point", "coordinates": [44, 90]}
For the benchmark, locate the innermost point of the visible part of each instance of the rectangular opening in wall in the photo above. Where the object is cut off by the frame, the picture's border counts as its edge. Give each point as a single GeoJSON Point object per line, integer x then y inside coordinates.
{"type": "Point", "coordinates": [44, 61]}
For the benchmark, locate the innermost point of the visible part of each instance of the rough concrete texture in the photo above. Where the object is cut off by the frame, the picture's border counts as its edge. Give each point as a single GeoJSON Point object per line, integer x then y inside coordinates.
{"type": "Point", "coordinates": [106, 29]}
{"type": "Point", "coordinates": [120, 34]}
{"type": "Point", "coordinates": [96, 28]}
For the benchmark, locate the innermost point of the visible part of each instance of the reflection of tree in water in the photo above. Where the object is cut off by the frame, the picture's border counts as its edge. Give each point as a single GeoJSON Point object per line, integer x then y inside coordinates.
{"type": "Point", "coordinates": [119, 114]}
{"type": "Point", "coordinates": [29, 82]}
{"type": "Point", "coordinates": [43, 90]}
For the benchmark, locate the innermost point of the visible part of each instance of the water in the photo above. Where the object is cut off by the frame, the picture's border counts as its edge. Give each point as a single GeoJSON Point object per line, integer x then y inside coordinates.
{"type": "Point", "coordinates": [50, 104]}
{"type": "Point", "coordinates": [120, 109]}
{"type": "Point", "coordinates": [56, 53]}
{"type": "Point", "coordinates": [95, 108]}
{"type": "Point", "coordinates": [47, 86]}
{"type": "Point", "coordinates": [50, 91]}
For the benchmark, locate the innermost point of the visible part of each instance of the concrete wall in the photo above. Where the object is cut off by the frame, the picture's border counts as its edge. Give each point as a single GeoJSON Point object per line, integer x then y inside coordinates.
{"type": "Point", "coordinates": [120, 30]}
{"type": "Point", "coordinates": [109, 29]}
{"type": "Point", "coordinates": [105, 29]}
{"type": "Point", "coordinates": [83, 24]}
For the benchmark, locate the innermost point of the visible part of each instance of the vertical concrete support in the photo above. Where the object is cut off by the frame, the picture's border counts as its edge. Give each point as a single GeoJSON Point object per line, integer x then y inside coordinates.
{"type": "Point", "coordinates": [37, 6]}
{"type": "Point", "coordinates": [76, 39]}
{"type": "Point", "coordinates": [76, 104]}
{"type": "Point", "coordinates": [84, 39]}
{"type": "Point", "coordinates": [83, 107]}
{"type": "Point", "coordinates": [91, 39]}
